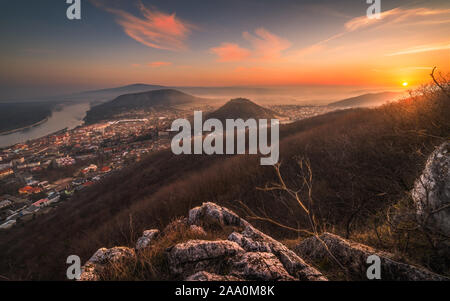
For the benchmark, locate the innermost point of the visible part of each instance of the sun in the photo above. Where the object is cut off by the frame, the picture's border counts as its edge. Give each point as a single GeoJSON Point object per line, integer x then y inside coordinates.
{"type": "Point", "coordinates": [405, 84]}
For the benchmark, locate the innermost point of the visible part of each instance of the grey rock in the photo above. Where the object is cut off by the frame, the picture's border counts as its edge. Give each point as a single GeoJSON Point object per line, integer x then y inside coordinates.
{"type": "Point", "coordinates": [261, 266]}
{"type": "Point", "coordinates": [353, 256]}
{"type": "Point", "coordinates": [210, 213]}
{"type": "Point", "coordinates": [431, 192]}
{"type": "Point", "coordinates": [147, 237]}
{"type": "Point", "coordinates": [197, 255]}
{"type": "Point", "coordinates": [248, 244]}
{"type": "Point", "coordinates": [93, 268]}
{"type": "Point", "coordinates": [252, 239]}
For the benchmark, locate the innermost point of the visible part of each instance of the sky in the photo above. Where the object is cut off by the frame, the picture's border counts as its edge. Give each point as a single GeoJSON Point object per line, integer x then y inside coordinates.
{"type": "Point", "coordinates": [219, 43]}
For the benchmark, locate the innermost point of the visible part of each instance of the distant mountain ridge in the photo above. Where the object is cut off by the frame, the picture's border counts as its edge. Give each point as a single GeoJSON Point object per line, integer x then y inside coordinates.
{"type": "Point", "coordinates": [367, 100]}
{"type": "Point", "coordinates": [242, 108]}
{"type": "Point", "coordinates": [149, 100]}
{"type": "Point", "coordinates": [133, 88]}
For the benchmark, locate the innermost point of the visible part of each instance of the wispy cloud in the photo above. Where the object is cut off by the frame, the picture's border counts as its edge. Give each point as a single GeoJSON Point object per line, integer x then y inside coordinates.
{"type": "Point", "coordinates": [401, 16]}
{"type": "Point", "coordinates": [265, 46]}
{"type": "Point", "coordinates": [230, 52]}
{"type": "Point", "coordinates": [422, 48]}
{"type": "Point", "coordinates": [159, 64]}
{"type": "Point", "coordinates": [154, 28]}
{"type": "Point", "coordinates": [396, 16]}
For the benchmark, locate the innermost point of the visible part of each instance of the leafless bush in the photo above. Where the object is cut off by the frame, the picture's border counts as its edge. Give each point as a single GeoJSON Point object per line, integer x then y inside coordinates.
{"type": "Point", "coordinates": [306, 204]}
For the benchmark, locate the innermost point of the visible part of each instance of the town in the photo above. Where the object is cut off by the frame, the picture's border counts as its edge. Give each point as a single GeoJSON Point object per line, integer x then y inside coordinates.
{"type": "Point", "coordinates": [38, 175]}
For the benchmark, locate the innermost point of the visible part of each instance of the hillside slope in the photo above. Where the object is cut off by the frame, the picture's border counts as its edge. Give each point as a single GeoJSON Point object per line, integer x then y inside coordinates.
{"type": "Point", "coordinates": [367, 100]}
{"type": "Point", "coordinates": [150, 100]}
{"type": "Point", "coordinates": [363, 161]}
{"type": "Point", "coordinates": [242, 108]}
{"type": "Point", "coordinates": [18, 115]}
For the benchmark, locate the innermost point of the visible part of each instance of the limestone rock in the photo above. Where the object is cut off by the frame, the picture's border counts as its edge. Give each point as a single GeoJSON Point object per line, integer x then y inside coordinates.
{"type": "Point", "coordinates": [197, 255]}
{"type": "Point", "coordinates": [147, 237]}
{"type": "Point", "coordinates": [252, 239]}
{"type": "Point", "coordinates": [248, 244]}
{"type": "Point", "coordinates": [95, 265]}
{"type": "Point", "coordinates": [353, 256]}
{"type": "Point", "coordinates": [260, 266]}
{"type": "Point", "coordinates": [210, 213]}
{"type": "Point", "coordinates": [431, 192]}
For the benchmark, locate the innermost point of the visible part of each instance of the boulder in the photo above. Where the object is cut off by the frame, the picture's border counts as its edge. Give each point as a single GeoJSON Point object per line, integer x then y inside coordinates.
{"type": "Point", "coordinates": [260, 266]}
{"type": "Point", "coordinates": [93, 268]}
{"type": "Point", "coordinates": [205, 276]}
{"type": "Point", "coordinates": [431, 192]}
{"type": "Point", "coordinates": [147, 237]}
{"type": "Point", "coordinates": [210, 213]}
{"type": "Point", "coordinates": [252, 239]}
{"type": "Point", "coordinates": [197, 255]}
{"type": "Point", "coordinates": [353, 256]}
{"type": "Point", "coordinates": [248, 244]}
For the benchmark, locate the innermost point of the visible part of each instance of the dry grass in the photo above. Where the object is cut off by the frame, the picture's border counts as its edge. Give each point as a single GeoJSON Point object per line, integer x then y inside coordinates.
{"type": "Point", "coordinates": [151, 263]}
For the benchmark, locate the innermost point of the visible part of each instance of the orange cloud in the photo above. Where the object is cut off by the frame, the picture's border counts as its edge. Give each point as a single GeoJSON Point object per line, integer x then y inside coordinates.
{"type": "Point", "coordinates": [265, 46]}
{"type": "Point", "coordinates": [155, 29]}
{"type": "Point", "coordinates": [399, 15]}
{"type": "Point", "coordinates": [422, 48]}
{"type": "Point", "coordinates": [229, 52]}
{"type": "Point", "coordinates": [159, 64]}
{"type": "Point", "coordinates": [386, 22]}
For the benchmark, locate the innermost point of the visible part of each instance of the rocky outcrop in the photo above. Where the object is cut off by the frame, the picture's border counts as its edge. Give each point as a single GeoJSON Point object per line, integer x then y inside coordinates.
{"type": "Point", "coordinates": [147, 237]}
{"type": "Point", "coordinates": [431, 192]}
{"type": "Point", "coordinates": [95, 266]}
{"type": "Point", "coordinates": [245, 253]}
{"type": "Point", "coordinates": [253, 240]}
{"type": "Point", "coordinates": [261, 247]}
{"type": "Point", "coordinates": [197, 255]}
{"type": "Point", "coordinates": [260, 266]}
{"type": "Point", "coordinates": [210, 214]}
{"type": "Point", "coordinates": [353, 256]}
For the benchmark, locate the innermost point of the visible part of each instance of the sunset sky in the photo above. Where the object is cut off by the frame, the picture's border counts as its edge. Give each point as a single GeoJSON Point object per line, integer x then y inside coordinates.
{"type": "Point", "coordinates": [219, 43]}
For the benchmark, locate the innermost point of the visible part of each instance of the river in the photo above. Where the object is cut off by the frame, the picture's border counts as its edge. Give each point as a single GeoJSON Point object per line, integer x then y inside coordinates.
{"type": "Point", "coordinates": [66, 116]}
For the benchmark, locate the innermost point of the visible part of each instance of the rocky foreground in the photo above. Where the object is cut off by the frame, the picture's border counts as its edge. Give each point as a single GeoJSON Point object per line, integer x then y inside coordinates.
{"type": "Point", "coordinates": [249, 254]}
{"type": "Point", "coordinates": [252, 255]}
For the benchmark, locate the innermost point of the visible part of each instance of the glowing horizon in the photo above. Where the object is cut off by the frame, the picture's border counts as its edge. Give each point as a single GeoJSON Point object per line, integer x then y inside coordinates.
{"type": "Point", "coordinates": [228, 44]}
